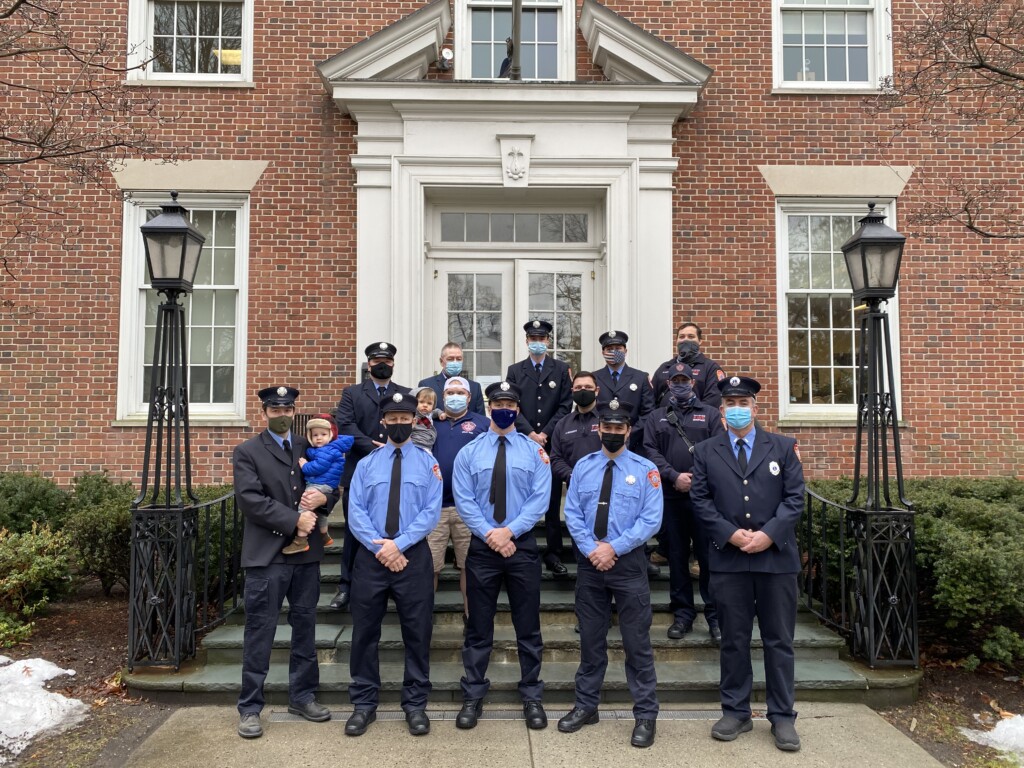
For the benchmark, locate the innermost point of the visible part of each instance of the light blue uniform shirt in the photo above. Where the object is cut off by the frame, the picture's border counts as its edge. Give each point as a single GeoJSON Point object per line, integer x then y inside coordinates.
{"type": "Point", "coordinates": [419, 509]}
{"type": "Point", "coordinates": [748, 443]}
{"type": "Point", "coordinates": [527, 484]}
{"type": "Point", "coordinates": [634, 513]}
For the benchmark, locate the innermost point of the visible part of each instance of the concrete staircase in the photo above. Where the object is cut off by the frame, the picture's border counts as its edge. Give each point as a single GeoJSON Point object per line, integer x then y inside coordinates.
{"type": "Point", "coordinates": [688, 670]}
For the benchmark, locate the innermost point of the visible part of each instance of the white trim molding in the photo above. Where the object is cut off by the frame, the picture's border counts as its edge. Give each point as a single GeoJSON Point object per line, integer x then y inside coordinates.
{"type": "Point", "coordinates": [189, 175]}
{"type": "Point", "coordinates": [883, 181]}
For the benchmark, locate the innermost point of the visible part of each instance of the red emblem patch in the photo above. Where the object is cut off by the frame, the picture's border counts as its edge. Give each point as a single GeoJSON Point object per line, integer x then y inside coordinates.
{"type": "Point", "coordinates": [696, 372]}
{"type": "Point", "coordinates": [543, 455]}
{"type": "Point", "coordinates": [796, 450]}
{"type": "Point", "coordinates": [654, 478]}
{"type": "Point", "coordinates": [699, 417]}
{"type": "Point", "coordinates": [721, 374]}
{"type": "Point", "coordinates": [593, 427]}
{"type": "Point", "coordinates": [437, 472]}
{"type": "Point", "coordinates": [468, 426]}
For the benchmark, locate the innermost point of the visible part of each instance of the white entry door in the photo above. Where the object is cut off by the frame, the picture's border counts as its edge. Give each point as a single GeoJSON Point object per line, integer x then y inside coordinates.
{"type": "Point", "coordinates": [483, 304]}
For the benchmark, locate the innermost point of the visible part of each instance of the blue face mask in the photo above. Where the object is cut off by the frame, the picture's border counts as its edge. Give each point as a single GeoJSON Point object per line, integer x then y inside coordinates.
{"type": "Point", "coordinates": [453, 368]}
{"type": "Point", "coordinates": [503, 418]}
{"type": "Point", "coordinates": [455, 403]}
{"type": "Point", "coordinates": [537, 348]}
{"type": "Point", "coordinates": [737, 417]}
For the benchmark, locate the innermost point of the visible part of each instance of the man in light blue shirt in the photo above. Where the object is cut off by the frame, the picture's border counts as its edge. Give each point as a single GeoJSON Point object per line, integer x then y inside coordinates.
{"type": "Point", "coordinates": [394, 502]}
{"type": "Point", "coordinates": [613, 507]}
{"type": "Point", "coordinates": [502, 486]}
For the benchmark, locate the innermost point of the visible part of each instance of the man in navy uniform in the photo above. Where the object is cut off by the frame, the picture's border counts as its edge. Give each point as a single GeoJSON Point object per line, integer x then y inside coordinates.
{"type": "Point", "coordinates": [502, 484]}
{"type": "Point", "coordinates": [613, 506]}
{"type": "Point", "coordinates": [269, 492]}
{"type": "Point", "coordinates": [706, 372]}
{"type": "Point", "coordinates": [576, 435]}
{"type": "Point", "coordinates": [359, 414]}
{"type": "Point", "coordinates": [452, 364]}
{"type": "Point", "coordinates": [748, 493]}
{"type": "Point", "coordinates": [458, 429]}
{"type": "Point", "coordinates": [546, 397]}
{"type": "Point", "coordinates": [670, 439]}
{"type": "Point", "coordinates": [618, 381]}
{"type": "Point", "coordinates": [395, 502]}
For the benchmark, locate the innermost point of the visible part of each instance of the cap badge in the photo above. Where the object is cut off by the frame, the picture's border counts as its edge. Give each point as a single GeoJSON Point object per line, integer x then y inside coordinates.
{"type": "Point", "coordinates": [630, 480]}
{"type": "Point", "coordinates": [536, 323]}
{"type": "Point", "coordinates": [611, 334]}
{"type": "Point", "coordinates": [397, 397]}
{"type": "Point", "coordinates": [613, 405]}
{"type": "Point", "coordinates": [504, 386]}
{"type": "Point", "coordinates": [383, 345]}
{"type": "Point", "coordinates": [735, 381]}
{"type": "Point", "coordinates": [281, 391]}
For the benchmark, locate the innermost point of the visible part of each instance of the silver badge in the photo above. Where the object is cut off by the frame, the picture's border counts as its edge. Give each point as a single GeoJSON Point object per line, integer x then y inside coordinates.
{"type": "Point", "coordinates": [383, 345]}
{"type": "Point", "coordinates": [397, 397]}
{"type": "Point", "coordinates": [551, 384]}
{"type": "Point", "coordinates": [611, 334]}
{"type": "Point", "coordinates": [773, 467]}
{"type": "Point", "coordinates": [633, 387]}
{"type": "Point", "coordinates": [735, 381]}
{"type": "Point", "coordinates": [281, 391]}
{"type": "Point", "coordinates": [536, 323]}
{"type": "Point", "coordinates": [613, 405]}
{"type": "Point", "coordinates": [630, 480]}
{"type": "Point", "coordinates": [504, 386]}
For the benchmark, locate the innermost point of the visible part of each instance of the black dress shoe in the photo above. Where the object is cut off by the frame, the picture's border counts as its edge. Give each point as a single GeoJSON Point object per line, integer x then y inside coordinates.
{"type": "Point", "coordinates": [716, 633]}
{"type": "Point", "coordinates": [785, 736]}
{"type": "Point", "coordinates": [556, 566]}
{"type": "Point", "coordinates": [469, 714]}
{"type": "Point", "coordinates": [643, 733]}
{"type": "Point", "coordinates": [340, 599]}
{"type": "Point", "coordinates": [536, 717]}
{"type": "Point", "coordinates": [577, 718]}
{"type": "Point", "coordinates": [653, 570]}
{"type": "Point", "coordinates": [311, 710]}
{"type": "Point", "coordinates": [359, 721]}
{"type": "Point", "coordinates": [418, 722]}
{"type": "Point", "coordinates": [680, 629]}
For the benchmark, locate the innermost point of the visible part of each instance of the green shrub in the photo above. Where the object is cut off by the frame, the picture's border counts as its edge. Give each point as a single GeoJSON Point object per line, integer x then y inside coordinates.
{"type": "Point", "coordinates": [28, 498]}
{"type": "Point", "coordinates": [101, 534]}
{"type": "Point", "coordinates": [95, 488]}
{"type": "Point", "coordinates": [34, 570]}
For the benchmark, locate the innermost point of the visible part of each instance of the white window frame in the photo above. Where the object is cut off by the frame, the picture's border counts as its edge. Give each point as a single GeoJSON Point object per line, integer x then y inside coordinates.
{"type": "Point", "coordinates": [464, 35]}
{"type": "Point", "coordinates": [794, 414]}
{"type": "Point", "coordinates": [132, 340]}
{"type": "Point", "coordinates": [880, 62]}
{"type": "Point", "coordinates": [140, 49]}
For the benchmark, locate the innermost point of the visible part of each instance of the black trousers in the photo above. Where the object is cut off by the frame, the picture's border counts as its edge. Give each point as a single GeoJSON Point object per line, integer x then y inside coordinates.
{"type": "Point", "coordinates": [682, 529]}
{"type": "Point", "coordinates": [412, 589]}
{"type": "Point", "coordinates": [628, 584]}
{"type": "Point", "coordinates": [486, 573]}
{"type": "Point", "coordinates": [266, 588]}
{"type": "Point", "coordinates": [553, 519]}
{"type": "Point", "coordinates": [771, 597]}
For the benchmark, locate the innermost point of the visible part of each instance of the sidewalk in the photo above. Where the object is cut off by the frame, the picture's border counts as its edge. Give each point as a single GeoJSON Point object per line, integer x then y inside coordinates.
{"type": "Point", "coordinates": [832, 734]}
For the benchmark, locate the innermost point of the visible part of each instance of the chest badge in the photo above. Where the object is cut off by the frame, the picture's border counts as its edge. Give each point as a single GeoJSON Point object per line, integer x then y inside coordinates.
{"type": "Point", "coordinates": [633, 386]}
{"type": "Point", "coordinates": [552, 384]}
{"type": "Point", "coordinates": [630, 480]}
{"type": "Point", "coordinates": [773, 467]}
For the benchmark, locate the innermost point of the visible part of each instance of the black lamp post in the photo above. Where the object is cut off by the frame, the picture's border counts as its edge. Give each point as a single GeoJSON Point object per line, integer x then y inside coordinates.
{"type": "Point", "coordinates": [162, 613]}
{"type": "Point", "coordinates": [885, 606]}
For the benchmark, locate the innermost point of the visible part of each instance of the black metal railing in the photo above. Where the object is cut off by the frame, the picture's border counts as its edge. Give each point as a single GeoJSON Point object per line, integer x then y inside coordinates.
{"type": "Point", "coordinates": [186, 578]}
{"type": "Point", "coordinates": [859, 577]}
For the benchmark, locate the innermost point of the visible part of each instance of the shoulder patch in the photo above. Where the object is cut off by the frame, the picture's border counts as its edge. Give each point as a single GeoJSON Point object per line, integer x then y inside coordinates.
{"type": "Point", "coordinates": [721, 374]}
{"type": "Point", "coordinates": [654, 478]}
{"type": "Point", "coordinates": [543, 455]}
{"type": "Point", "coordinates": [796, 450]}
{"type": "Point", "coordinates": [437, 472]}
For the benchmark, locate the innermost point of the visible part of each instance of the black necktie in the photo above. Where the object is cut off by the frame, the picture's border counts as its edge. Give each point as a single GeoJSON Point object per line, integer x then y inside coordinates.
{"type": "Point", "coordinates": [604, 501]}
{"type": "Point", "coordinates": [615, 377]}
{"type": "Point", "coordinates": [394, 496]}
{"type": "Point", "coordinates": [380, 391]}
{"type": "Point", "coordinates": [287, 445]}
{"type": "Point", "coordinates": [538, 367]}
{"type": "Point", "coordinates": [498, 482]}
{"type": "Point", "coordinates": [741, 455]}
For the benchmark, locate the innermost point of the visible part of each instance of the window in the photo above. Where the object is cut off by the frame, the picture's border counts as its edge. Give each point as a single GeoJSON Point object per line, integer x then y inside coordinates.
{"type": "Point", "coordinates": [513, 227]}
{"type": "Point", "coordinates": [558, 298]}
{"type": "Point", "coordinates": [831, 44]}
{"type": "Point", "coordinates": [548, 39]}
{"type": "Point", "coordinates": [215, 311]}
{"type": "Point", "coordinates": [190, 40]}
{"type": "Point", "coordinates": [819, 328]}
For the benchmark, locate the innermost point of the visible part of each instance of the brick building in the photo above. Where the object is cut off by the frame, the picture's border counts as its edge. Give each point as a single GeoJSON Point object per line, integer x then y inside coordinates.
{"type": "Point", "coordinates": [659, 162]}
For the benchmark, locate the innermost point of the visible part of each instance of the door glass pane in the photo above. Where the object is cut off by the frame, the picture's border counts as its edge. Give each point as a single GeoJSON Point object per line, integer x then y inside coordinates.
{"type": "Point", "coordinates": [542, 292]}
{"type": "Point", "coordinates": [558, 297]}
{"type": "Point", "coordinates": [474, 322]}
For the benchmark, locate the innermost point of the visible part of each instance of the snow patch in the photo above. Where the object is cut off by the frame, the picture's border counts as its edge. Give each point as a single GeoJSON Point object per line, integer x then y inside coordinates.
{"type": "Point", "coordinates": [27, 709]}
{"type": "Point", "coordinates": [1007, 736]}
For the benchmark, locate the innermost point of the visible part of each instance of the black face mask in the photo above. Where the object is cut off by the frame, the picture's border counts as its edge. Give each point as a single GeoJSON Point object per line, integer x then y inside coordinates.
{"type": "Point", "coordinates": [584, 397]}
{"type": "Point", "coordinates": [381, 371]}
{"type": "Point", "coordinates": [612, 441]}
{"type": "Point", "coordinates": [398, 433]}
{"type": "Point", "coordinates": [688, 351]}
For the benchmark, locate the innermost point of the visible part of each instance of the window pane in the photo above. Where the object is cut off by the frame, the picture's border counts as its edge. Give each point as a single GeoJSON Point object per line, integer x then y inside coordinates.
{"type": "Point", "coordinates": [488, 327]}
{"type": "Point", "coordinates": [460, 292]}
{"type": "Point", "coordinates": [797, 306]}
{"type": "Point", "coordinates": [547, 26]}
{"type": "Point", "coordinates": [231, 20]}
{"type": "Point", "coordinates": [201, 350]}
{"type": "Point", "coordinates": [149, 344]}
{"type": "Point", "coordinates": [814, 63]}
{"type": "Point", "coordinates": [163, 54]}
{"type": "Point", "coordinates": [551, 228]}
{"type": "Point", "coordinates": [502, 230]}
{"type": "Point", "coordinates": [835, 28]}
{"type": "Point", "coordinates": [202, 308]}
{"type": "Point", "coordinates": [529, 28]}
{"type": "Point", "coordinates": [152, 302]}
{"type": "Point", "coordinates": [569, 294]}
{"type": "Point", "coordinates": [836, 63]}
{"type": "Point", "coordinates": [542, 292]}
{"type": "Point", "coordinates": [527, 225]}
{"type": "Point", "coordinates": [576, 228]}
{"type": "Point", "coordinates": [488, 292]}
{"type": "Point", "coordinates": [799, 386]}
{"type": "Point", "coordinates": [822, 386]}
{"type": "Point", "coordinates": [481, 24]}
{"type": "Point", "coordinates": [840, 274]}
{"type": "Point", "coordinates": [209, 62]}
{"type": "Point", "coordinates": [482, 61]}
{"type": "Point", "coordinates": [792, 63]}
{"type": "Point", "coordinates": [224, 267]}
{"type": "Point", "coordinates": [224, 308]}
{"type": "Point", "coordinates": [569, 333]}
{"type": "Point", "coordinates": [186, 18]}
{"type": "Point", "coordinates": [477, 227]}
{"type": "Point", "coordinates": [819, 311]}
{"type": "Point", "coordinates": [844, 387]}
{"type": "Point", "coordinates": [814, 28]}
{"type": "Point", "coordinates": [224, 345]}
{"type": "Point", "coordinates": [572, 359]}
{"type": "Point", "coordinates": [185, 55]}
{"type": "Point", "coordinates": [821, 270]}
{"type": "Point", "coordinates": [798, 348]}
{"type": "Point", "coordinates": [224, 229]}
{"type": "Point", "coordinates": [842, 312]}
{"type": "Point", "coordinates": [857, 28]}
{"type": "Point", "coordinates": [821, 349]}
{"type": "Point", "coordinates": [821, 233]}
{"type": "Point", "coordinates": [859, 65]}
{"type": "Point", "coordinates": [842, 348]}
{"type": "Point", "coordinates": [199, 384]}
{"type": "Point", "coordinates": [223, 384]}
{"type": "Point", "coordinates": [204, 270]}
{"type": "Point", "coordinates": [209, 19]}
{"type": "Point", "coordinates": [799, 264]}
{"type": "Point", "coordinates": [798, 233]}
{"type": "Point", "coordinates": [452, 227]}
{"type": "Point", "coordinates": [163, 18]}
{"type": "Point", "coordinates": [488, 367]}
{"type": "Point", "coordinates": [547, 62]}
{"type": "Point", "coordinates": [502, 25]}
{"type": "Point", "coordinates": [460, 328]}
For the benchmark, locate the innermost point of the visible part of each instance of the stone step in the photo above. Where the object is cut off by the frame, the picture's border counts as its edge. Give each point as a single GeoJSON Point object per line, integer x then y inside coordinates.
{"type": "Point", "coordinates": [448, 578]}
{"type": "Point", "coordinates": [678, 681]}
{"type": "Point", "coordinates": [561, 644]}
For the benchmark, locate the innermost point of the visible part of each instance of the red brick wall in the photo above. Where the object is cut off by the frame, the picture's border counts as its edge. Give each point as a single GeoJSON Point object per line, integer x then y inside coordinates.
{"type": "Point", "coordinates": [961, 358]}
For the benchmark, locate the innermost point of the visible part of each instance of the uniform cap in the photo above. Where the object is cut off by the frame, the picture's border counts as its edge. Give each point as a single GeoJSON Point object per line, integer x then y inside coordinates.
{"type": "Point", "coordinates": [613, 337]}
{"type": "Point", "coordinates": [680, 369]}
{"type": "Point", "coordinates": [278, 396]}
{"type": "Point", "coordinates": [738, 386]}
{"type": "Point", "coordinates": [538, 328]}
{"type": "Point", "coordinates": [613, 412]}
{"type": "Point", "coordinates": [398, 403]}
{"type": "Point", "coordinates": [503, 390]}
{"type": "Point", "coordinates": [381, 349]}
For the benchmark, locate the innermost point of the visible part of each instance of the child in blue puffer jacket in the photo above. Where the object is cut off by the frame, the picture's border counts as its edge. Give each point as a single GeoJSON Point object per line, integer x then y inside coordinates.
{"type": "Point", "coordinates": [322, 470]}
